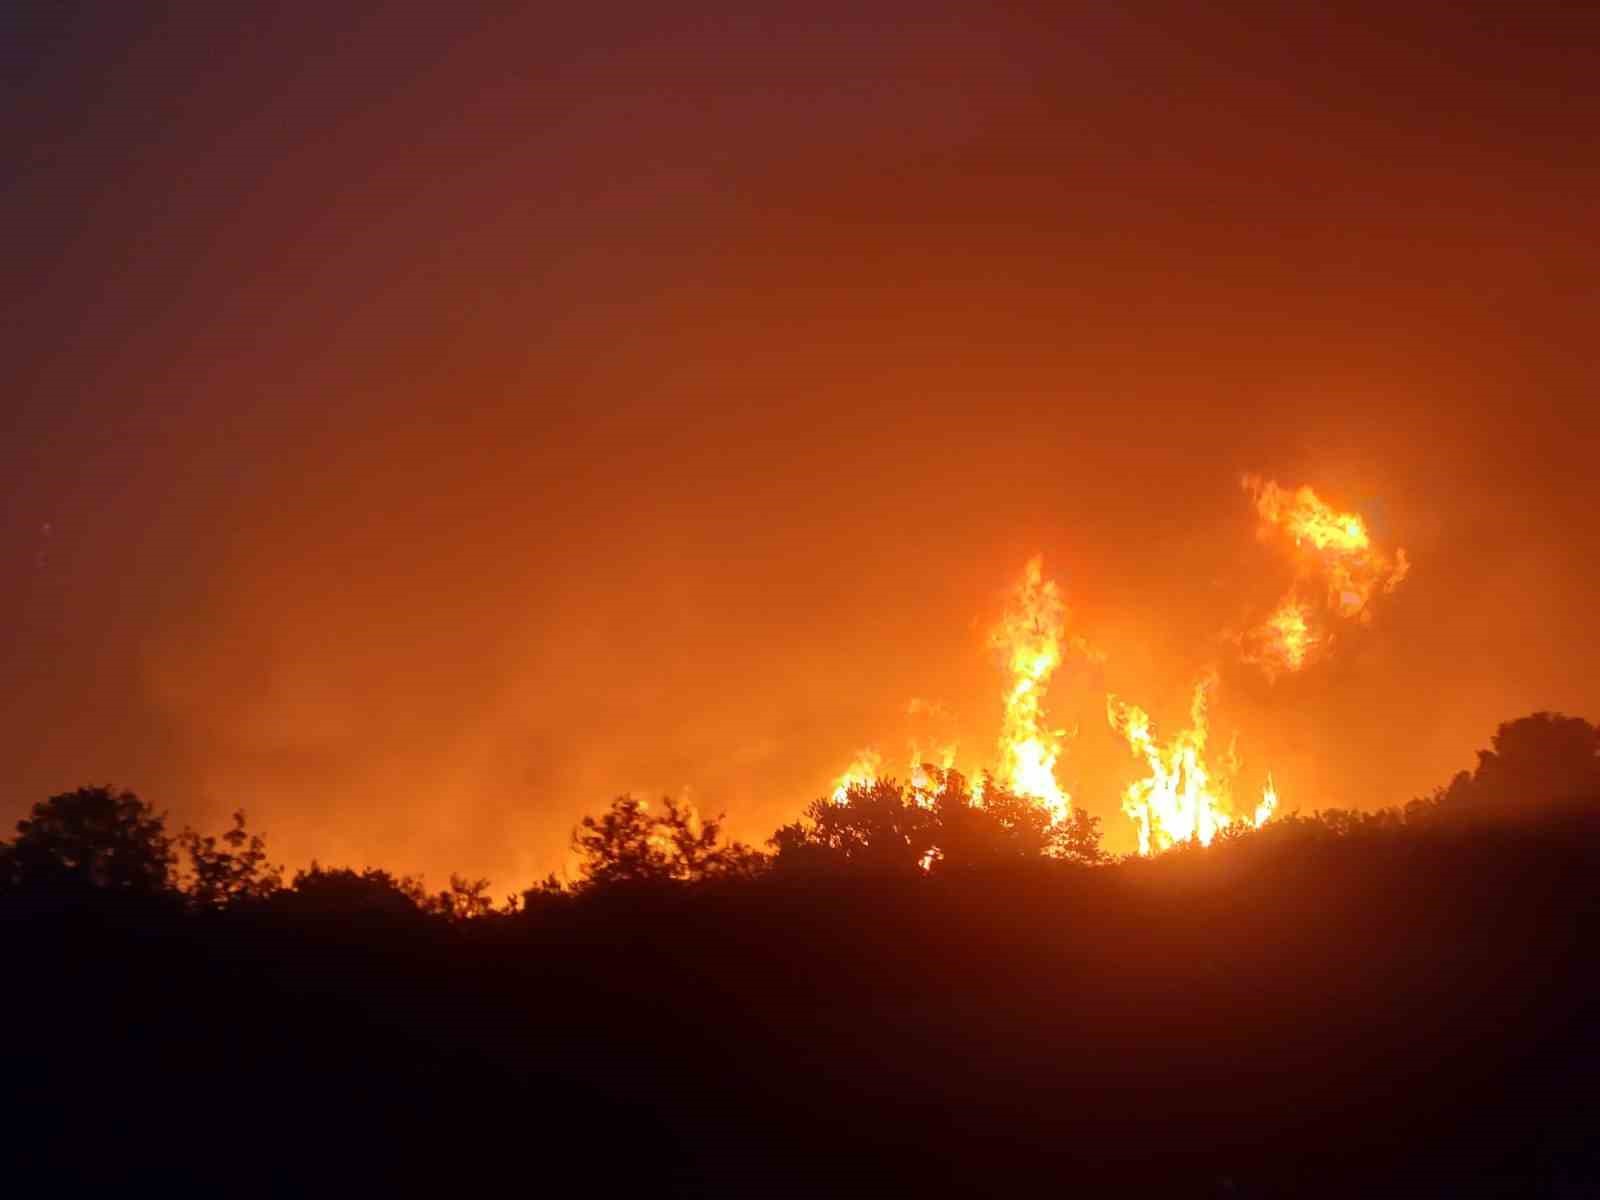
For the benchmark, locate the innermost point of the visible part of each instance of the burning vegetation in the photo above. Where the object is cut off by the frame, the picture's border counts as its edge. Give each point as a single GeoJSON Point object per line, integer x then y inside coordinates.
{"type": "Point", "coordinates": [1185, 795]}
{"type": "Point", "coordinates": [1339, 571]}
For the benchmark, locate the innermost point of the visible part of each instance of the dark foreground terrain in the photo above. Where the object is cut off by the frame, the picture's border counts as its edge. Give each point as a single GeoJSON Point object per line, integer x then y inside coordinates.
{"type": "Point", "coordinates": [1411, 1013]}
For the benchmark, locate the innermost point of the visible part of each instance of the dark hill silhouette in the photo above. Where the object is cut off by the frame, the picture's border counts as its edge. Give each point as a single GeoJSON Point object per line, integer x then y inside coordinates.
{"type": "Point", "coordinates": [1390, 1003]}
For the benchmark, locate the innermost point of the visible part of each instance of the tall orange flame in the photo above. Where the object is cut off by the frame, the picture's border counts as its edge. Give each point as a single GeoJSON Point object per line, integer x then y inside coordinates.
{"type": "Point", "coordinates": [1030, 635]}
{"type": "Point", "coordinates": [1181, 799]}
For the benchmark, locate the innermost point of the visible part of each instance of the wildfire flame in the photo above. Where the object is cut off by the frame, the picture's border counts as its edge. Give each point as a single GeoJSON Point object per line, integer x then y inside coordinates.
{"type": "Point", "coordinates": [1268, 803]}
{"type": "Point", "coordinates": [1181, 799]}
{"type": "Point", "coordinates": [1331, 547]}
{"type": "Point", "coordinates": [1287, 637]}
{"type": "Point", "coordinates": [927, 775]}
{"type": "Point", "coordinates": [1030, 635]}
{"type": "Point", "coordinates": [862, 771]}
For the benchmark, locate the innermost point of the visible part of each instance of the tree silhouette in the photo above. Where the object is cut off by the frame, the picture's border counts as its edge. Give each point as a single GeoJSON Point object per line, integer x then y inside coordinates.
{"type": "Point", "coordinates": [1077, 839]}
{"type": "Point", "coordinates": [1535, 762]}
{"type": "Point", "coordinates": [95, 837]}
{"type": "Point", "coordinates": [880, 826]}
{"type": "Point", "coordinates": [320, 891]}
{"type": "Point", "coordinates": [545, 897]}
{"type": "Point", "coordinates": [1002, 827]}
{"type": "Point", "coordinates": [620, 845]}
{"type": "Point", "coordinates": [630, 844]}
{"type": "Point", "coordinates": [464, 900]}
{"type": "Point", "coordinates": [1328, 960]}
{"type": "Point", "coordinates": [234, 871]}
{"type": "Point", "coordinates": [876, 827]}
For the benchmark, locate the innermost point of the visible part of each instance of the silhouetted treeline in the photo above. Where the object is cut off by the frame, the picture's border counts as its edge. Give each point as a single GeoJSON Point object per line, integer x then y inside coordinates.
{"type": "Point", "coordinates": [911, 989]}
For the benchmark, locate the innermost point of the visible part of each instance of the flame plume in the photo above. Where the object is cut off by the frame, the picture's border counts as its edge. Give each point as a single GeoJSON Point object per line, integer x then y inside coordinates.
{"type": "Point", "coordinates": [1331, 547]}
{"type": "Point", "coordinates": [1181, 799]}
{"type": "Point", "coordinates": [1030, 635]}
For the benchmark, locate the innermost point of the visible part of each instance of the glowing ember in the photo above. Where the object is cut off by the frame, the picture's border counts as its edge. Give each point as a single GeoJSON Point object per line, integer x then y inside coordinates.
{"type": "Point", "coordinates": [1181, 799]}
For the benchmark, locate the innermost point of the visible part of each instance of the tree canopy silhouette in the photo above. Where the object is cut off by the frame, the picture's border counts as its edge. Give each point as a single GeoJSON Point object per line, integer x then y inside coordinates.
{"type": "Point", "coordinates": [1319, 964]}
{"type": "Point", "coordinates": [631, 844]}
{"type": "Point", "coordinates": [94, 837]}
{"type": "Point", "coordinates": [874, 827]}
{"type": "Point", "coordinates": [884, 826]}
{"type": "Point", "coordinates": [1002, 827]}
{"type": "Point", "coordinates": [464, 900]}
{"type": "Point", "coordinates": [1536, 762]}
{"type": "Point", "coordinates": [228, 868]}
{"type": "Point", "coordinates": [342, 892]}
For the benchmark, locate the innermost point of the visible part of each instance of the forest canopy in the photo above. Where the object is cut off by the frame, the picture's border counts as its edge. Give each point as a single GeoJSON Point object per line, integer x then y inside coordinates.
{"type": "Point", "coordinates": [108, 840]}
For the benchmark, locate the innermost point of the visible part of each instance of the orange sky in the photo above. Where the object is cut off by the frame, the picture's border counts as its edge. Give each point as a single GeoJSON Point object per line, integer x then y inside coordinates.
{"type": "Point", "coordinates": [422, 430]}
